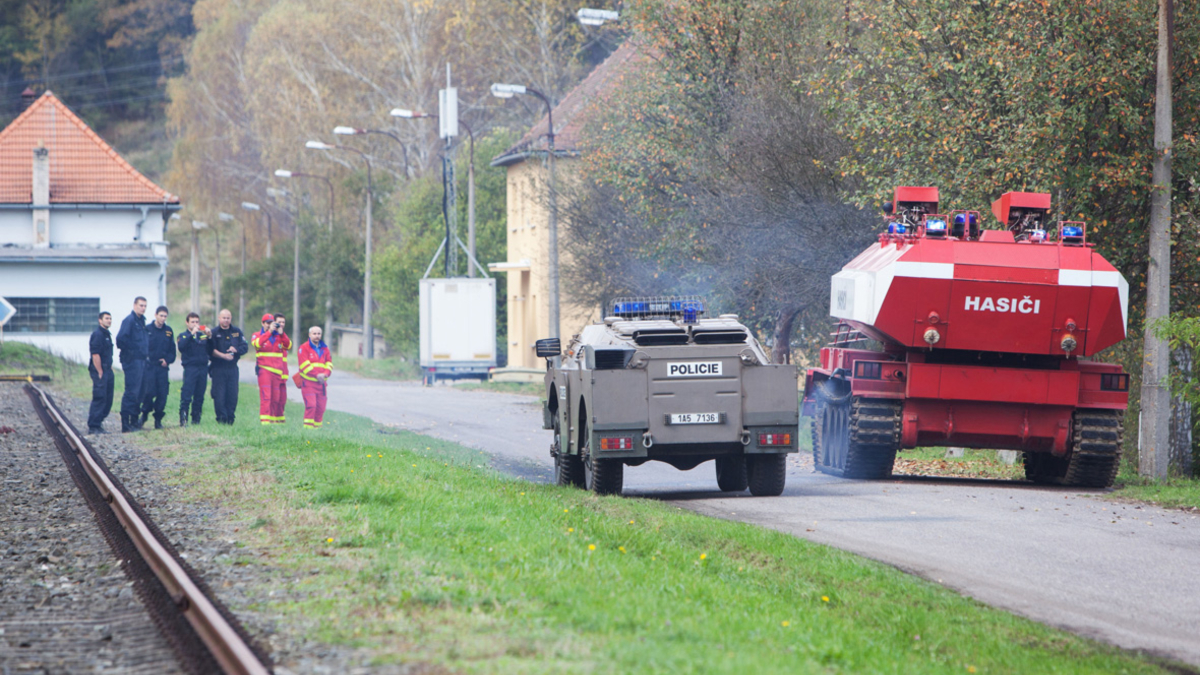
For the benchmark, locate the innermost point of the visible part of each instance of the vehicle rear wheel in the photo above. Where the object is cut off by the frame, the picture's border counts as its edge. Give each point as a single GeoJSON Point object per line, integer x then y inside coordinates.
{"type": "Point", "coordinates": [731, 473]}
{"type": "Point", "coordinates": [602, 476]}
{"type": "Point", "coordinates": [857, 437]}
{"type": "Point", "coordinates": [766, 474]}
{"type": "Point", "coordinates": [568, 470]}
{"type": "Point", "coordinates": [1095, 448]}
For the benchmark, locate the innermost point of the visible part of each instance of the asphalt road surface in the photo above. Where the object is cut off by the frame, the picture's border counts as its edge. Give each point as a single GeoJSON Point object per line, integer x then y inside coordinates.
{"type": "Point", "coordinates": [1125, 574]}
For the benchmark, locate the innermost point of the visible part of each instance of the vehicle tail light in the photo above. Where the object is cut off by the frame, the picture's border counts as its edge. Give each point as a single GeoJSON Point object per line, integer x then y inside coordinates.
{"type": "Point", "coordinates": [621, 443]}
{"type": "Point", "coordinates": [1114, 382]}
{"type": "Point", "coordinates": [868, 370]}
{"type": "Point", "coordinates": [774, 439]}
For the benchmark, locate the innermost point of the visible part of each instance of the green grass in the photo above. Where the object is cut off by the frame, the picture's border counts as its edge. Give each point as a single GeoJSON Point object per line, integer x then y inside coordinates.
{"type": "Point", "coordinates": [1173, 493]}
{"type": "Point", "coordinates": [973, 464]}
{"type": "Point", "coordinates": [409, 546]}
{"type": "Point", "coordinates": [523, 388]}
{"type": "Point", "coordinates": [390, 368]}
{"type": "Point", "coordinates": [18, 358]}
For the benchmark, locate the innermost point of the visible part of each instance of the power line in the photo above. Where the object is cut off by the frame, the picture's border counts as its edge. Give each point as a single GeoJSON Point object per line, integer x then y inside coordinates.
{"type": "Point", "coordinates": [96, 71]}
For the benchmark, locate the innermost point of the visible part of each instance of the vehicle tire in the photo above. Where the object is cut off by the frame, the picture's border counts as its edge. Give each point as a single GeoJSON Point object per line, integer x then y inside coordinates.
{"type": "Point", "coordinates": [857, 437]}
{"type": "Point", "coordinates": [766, 474]}
{"type": "Point", "coordinates": [731, 473]}
{"type": "Point", "coordinates": [568, 470]}
{"type": "Point", "coordinates": [602, 476]}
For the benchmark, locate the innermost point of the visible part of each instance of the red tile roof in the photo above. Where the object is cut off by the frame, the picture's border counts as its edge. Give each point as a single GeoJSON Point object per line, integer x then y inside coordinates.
{"type": "Point", "coordinates": [570, 115]}
{"type": "Point", "coordinates": [83, 168]}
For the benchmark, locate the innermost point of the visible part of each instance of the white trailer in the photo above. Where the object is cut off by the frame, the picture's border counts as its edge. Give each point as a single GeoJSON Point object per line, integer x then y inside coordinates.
{"type": "Point", "coordinates": [458, 328]}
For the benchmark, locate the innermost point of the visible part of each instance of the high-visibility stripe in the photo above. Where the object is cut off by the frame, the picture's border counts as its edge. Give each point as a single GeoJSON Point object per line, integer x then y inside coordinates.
{"type": "Point", "coordinates": [269, 369]}
{"type": "Point", "coordinates": [264, 354]}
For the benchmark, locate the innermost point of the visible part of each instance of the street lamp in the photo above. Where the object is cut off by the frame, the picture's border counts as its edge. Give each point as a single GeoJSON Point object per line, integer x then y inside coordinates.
{"type": "Point", "coordinates": [284, 173]}
{"type": "Point", "coordinates": [251, 206]}
{"type": "Point", "coordinates": [195, 274]}
{"type": "Point", "coordinates": [596, 17]}
{"type": "Point", "coordinates": [508, 91]}
{"type": "Point", "coordinates": [368, 332]}
{"type": "Point", "coordinates": [354, 131]}
{"type": "Point", "coordinates": [408, 114]}
{"type": "Point", "coordinates": [228, 217]}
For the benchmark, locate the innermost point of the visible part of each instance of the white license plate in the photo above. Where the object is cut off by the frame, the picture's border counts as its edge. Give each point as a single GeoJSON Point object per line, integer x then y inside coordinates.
{"type": "Point", "coordinates": [696, 418]}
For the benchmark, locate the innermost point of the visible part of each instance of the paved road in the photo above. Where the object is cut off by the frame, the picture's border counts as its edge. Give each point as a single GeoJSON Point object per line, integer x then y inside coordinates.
{"type": "Point", "coordinates": [1124, 574]}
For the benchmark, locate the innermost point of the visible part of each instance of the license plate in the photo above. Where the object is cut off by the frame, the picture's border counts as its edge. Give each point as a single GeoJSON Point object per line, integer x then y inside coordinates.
{"type": "Point", "coordinates": [696, 418]}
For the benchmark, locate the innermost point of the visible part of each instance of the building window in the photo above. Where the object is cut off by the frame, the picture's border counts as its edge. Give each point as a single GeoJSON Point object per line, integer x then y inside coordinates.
{"type": "Point", "coordinates": [54, 315]}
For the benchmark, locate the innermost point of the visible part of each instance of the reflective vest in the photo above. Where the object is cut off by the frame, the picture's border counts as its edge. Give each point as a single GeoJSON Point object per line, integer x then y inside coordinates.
{"type": "Point", "coordinates": [313, 364]}
{"type": "Point", "coordinates": [270, 352]}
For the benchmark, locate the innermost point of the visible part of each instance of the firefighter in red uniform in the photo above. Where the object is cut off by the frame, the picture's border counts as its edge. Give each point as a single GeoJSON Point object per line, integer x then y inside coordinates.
{"type": "Point", "coordinates": [316, 365]}
{"type": "Point", "coordinates": [270, 345]}
{"type": "Point", "coordinates": [279, 396]}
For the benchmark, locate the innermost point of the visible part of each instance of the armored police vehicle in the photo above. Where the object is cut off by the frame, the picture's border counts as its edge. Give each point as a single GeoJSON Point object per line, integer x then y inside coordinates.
{"type": "Point", "coordinates": [657, 380]}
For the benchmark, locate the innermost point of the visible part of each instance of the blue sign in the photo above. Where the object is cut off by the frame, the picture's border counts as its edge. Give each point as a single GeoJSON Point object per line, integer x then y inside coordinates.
{"type": "Point", "coordinates": [7, 311]}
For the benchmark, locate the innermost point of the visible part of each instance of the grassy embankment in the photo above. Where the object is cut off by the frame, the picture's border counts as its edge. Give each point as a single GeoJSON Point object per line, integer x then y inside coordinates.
{"type": "Point", "coordinates": [409, 546]}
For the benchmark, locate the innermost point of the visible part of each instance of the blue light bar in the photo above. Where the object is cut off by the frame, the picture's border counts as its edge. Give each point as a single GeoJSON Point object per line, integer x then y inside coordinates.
{"type": "Point", "coordinates": [1072, 233]}
{"type": "Point", "coordinates": [935, 226]}
{"type": "Point", "coordinates": [689, 308]}
{"type": "Point", "coordinates": [960, 219]}
{"type": "Point", "coordinates": [895, 228]}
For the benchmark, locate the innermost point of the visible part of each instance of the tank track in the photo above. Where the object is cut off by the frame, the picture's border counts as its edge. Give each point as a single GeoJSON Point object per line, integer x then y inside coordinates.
{"type": "Point", "coordinates": [1095, 448]}
{"type": "Point", "coordinates": [1095, 453]}
{"type": "Point", "coordinates": [874, 426]}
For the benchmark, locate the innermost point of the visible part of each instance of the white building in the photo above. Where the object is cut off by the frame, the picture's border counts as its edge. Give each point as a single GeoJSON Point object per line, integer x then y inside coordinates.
{"type": "Point", "coordinates": [80, 230]}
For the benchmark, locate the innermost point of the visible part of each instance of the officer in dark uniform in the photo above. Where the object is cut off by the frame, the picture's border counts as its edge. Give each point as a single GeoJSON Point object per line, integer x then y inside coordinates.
{"type": "Point", "coordinates": [161, 354]}
{"type": "Point", "coordinates": [193, 354]}
{"type": "Point", "coordinates": [133, 343]}
{"type": "Point", "coordinates": [227, 345]}
{"type": "Point", "coordinates": [100, 368]}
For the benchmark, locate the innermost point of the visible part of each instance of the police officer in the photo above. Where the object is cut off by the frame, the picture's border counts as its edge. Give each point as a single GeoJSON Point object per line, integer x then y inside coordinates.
{"type": "Point", "coordinates": [132, 340]}
{"type": "Point", "coordinates": [161, 354]}
{"type": "Point", "coordinates": [193, 354]}
{"type": "Point", "coordinates": [226, 346]}
{"type": "Point", "coordinates": [100, 368]}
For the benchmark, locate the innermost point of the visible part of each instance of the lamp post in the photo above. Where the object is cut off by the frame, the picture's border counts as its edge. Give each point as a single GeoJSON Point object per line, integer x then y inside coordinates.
{"type": "Point", "coordinates": [368, 332]}
{"type": "Point", "coordinates": [596, 17]}
{"type": "Point", "coordinates": [281, 194]}
{"type": "Point", "coordinates": [251, 206]}
{"type": "Point", "coordinates": [409, 114]}
{"type": "Point", "coordinates": [195, 275]}
{"type": "Point", "coordinates": [508, 91]}
{"type": "Point", "coordinates": [227, 218]}
{"type": "Point", "coordinates": [284, 173]}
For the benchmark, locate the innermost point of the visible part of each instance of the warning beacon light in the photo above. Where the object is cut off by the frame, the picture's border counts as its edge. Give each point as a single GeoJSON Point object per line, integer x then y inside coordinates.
{"type": "Point", "coordinates": [1037, 236]}
{"type": "Point", "coordinates": [895, 228]}
{"type": "Point", "coordinates": [1072, 234]}
{"type": "Point", "coordinates": [935, 227]}
{"type": "Point", "coordinates": [689, 308]}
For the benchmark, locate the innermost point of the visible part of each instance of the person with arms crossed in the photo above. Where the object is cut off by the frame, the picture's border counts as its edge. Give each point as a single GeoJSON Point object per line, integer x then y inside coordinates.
{"type": "Point", "coordinates": [316, 365]}
{"type": "Point", "coordinates": [133, 341]}
{"type": "Point", "coordinates": [155, 387]}
{"type": "Point", "coordinates": [193, 354]}
{"type": "Point", "coordinates": [100, 368]}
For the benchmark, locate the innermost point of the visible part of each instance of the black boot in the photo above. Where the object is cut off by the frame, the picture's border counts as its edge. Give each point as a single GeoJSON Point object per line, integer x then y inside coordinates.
{"type": "Point", "coordinates": [125, 427]}
{"type": "Point", "coordinates": [141, 421]}
{"type": "Point", "coordinates": [183, 419]}
{"type": "Point", "coordinates": [157, 422]}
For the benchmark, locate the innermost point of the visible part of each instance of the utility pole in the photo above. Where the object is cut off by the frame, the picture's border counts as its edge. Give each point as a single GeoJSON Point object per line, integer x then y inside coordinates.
{"type": "Point", "coordinates": [448, 128]}
{"type": "Point", "coordinates": [1154, 436]}
{"type": "Point", "coordinates": [195, 276]}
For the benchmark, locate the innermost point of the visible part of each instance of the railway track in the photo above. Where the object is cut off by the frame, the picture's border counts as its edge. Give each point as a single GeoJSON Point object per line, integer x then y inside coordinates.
{"type": "Point", "coordinates": [203, 634]}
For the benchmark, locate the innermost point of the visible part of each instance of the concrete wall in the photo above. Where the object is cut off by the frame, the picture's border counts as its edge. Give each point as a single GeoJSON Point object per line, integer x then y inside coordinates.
{"type": "Point", "coordinates": [527, 238]}
{"type": "Point", "coordinates": [116, 284]}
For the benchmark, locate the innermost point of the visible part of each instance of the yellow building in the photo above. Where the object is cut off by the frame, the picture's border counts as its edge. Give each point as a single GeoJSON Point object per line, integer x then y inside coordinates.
{"type": "Point", "coordinates": [528, 216]}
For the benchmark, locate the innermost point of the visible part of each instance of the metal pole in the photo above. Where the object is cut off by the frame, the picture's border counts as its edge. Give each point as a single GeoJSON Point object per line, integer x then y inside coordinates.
{"type": "Point", "coordinates": [553, 229]}
{"type": "Point", "coordinates": [1154, 428]}
{"type": "Point", "coordinates": [471, 202]}
{"type": "Point", "coordinates": [217, 277]}
{"type": "Point", "coordinates": [195, 275]}
{"type": "Point", "coordinates": [328, 335]}
{"type": "Point", "coordinates": [268, 215]}
{"type": "Point", "coordinates": [242, 286]}
{"type": "Point", "coordinates": [368, 332]}
{"type": "Point", "coordinates": [296, 288]}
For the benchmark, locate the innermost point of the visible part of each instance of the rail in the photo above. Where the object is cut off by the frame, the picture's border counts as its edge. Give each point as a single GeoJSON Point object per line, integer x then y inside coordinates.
{"type": "Point", "coordinates": [223, 640]}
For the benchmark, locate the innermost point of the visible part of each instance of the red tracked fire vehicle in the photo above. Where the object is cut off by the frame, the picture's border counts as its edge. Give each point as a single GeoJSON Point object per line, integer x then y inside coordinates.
{"type": "Point", "coordinates": [985, 340]}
